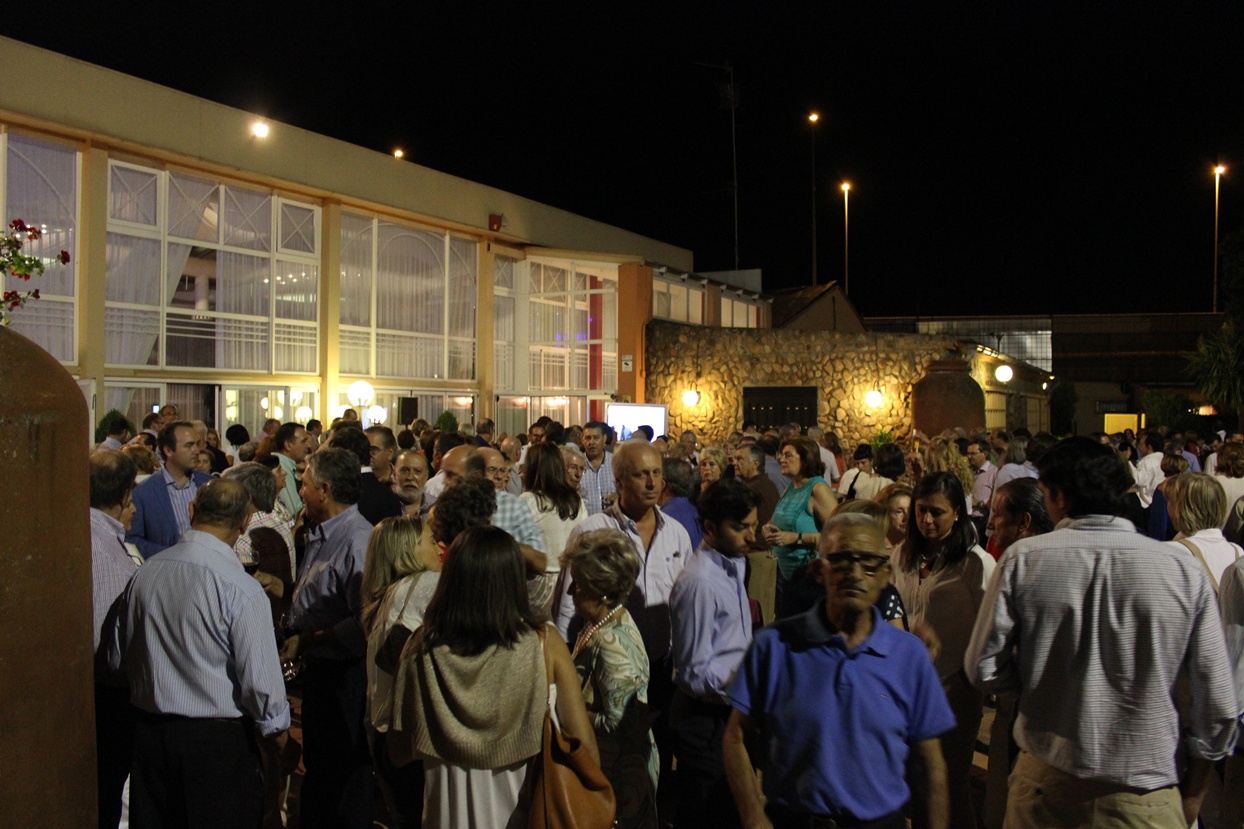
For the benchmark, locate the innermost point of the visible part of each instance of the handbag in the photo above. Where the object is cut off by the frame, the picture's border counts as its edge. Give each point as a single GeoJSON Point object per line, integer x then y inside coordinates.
{"type": "Point", "coordinates": [568, 788]}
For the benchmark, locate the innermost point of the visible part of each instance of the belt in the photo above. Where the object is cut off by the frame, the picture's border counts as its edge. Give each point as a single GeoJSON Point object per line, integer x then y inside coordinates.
{"type": "Point", "coordinates": [705, 699]}
{"type": "Point", "coordinates": [784, 817]}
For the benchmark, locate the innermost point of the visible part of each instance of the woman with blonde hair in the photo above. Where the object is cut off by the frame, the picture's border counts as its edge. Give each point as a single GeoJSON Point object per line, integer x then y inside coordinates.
{"type": "Point", "coordinates": [712, 466]}
{"type": "Point", "coordinates": [1197, 505]}
{"type": "Point", "coordinates": [398, 583]}
{"type": "Point", "coordinates": [613, 670]}
{"type": "Point", "coordinates": [942, 455]}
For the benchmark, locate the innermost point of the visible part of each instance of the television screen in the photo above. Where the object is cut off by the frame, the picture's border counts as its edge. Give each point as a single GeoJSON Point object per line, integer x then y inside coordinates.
{"type": "Point", "coordinates": [625, 418]}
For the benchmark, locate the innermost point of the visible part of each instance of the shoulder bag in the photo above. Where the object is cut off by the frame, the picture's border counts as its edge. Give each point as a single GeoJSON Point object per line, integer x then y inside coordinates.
{"type": "Point", "coordinates": [568, 788]}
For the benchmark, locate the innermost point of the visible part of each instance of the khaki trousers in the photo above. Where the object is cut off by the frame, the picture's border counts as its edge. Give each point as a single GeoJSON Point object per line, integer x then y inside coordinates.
{"type": "Point", "coordinates": [1041, 796]}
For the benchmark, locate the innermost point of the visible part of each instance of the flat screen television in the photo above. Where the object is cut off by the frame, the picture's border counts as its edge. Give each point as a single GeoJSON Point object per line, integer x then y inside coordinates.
{"type": "Point", "coordinates": [625, 418]}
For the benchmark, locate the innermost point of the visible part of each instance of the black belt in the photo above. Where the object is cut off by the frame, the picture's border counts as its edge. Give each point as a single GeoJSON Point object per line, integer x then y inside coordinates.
{"type": "Point", "coordinates": [784, 817]}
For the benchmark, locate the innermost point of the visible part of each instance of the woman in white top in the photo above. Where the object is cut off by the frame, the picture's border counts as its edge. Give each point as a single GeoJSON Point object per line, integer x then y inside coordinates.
{"type": "Point", "coordinates": [1197, 505]}
{"type": "Point", "coordinates": [554, 504]}
{"type": "Point", "coordinates": [1230, 473]}
{"type": "Point", "coordinates": [942, 574]}
{"type": "Point", "coordinates": [860, 481]}
{"type": "Point", "coordinates": [399, 578]}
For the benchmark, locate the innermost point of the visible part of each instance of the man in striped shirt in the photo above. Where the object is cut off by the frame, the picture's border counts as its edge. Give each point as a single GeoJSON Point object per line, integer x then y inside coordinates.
{"type": "Point", "coordinates": [194, 637]}
{"type": "Point", "coordinates": [1092, 624]}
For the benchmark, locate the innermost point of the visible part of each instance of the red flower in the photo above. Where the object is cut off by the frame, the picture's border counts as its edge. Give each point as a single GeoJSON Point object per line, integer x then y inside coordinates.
{"type": "Point", "coordinates": [64, 257]}
{"type": "Point", "coordinates": [36, 293]}
{"type": "Point", "coordinates": [18, 225]}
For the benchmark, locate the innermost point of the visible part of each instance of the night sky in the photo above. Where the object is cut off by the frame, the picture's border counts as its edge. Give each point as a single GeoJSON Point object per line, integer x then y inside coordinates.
{"type": "Point", "coordinates": [1004, 157]}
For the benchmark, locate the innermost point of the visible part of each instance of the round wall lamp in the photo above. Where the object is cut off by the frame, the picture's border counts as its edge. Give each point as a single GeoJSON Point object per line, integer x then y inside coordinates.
{"type": "Point", "coordinates": [690, 397]}
{"type": "Point", "coordinates": [303, 414]}
{"type": "Point", "coordinates": [360, 393]}
{"type": "Point", "coordinates": [873, 398]}
{"type": "Point", "coordinates": [377, 414]}
{"type": "Point", "coordinates": [1003, 373]}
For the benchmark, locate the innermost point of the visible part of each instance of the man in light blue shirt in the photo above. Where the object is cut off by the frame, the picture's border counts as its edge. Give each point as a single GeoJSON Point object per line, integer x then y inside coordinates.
{"type": "Point", "coordinates": [597, 484]}
{"type": "Point", "coordinates": [712, 628]}
{"type": "Point", "coordinates": [194, 637]}
{"type": "Point", "coordinates": [293, 444]}
{"type": "Point", "coordinates": [326, 628]}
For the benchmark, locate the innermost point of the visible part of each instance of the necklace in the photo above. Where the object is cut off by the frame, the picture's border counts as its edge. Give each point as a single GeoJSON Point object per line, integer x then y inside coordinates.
{"type": "Point", "coordinates": [590, 631]}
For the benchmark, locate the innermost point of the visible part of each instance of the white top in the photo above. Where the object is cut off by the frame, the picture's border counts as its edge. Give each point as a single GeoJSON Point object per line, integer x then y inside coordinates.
{"type": "Point", "coordinates": [1211, 464]}
{"type": "Point", "coordinates": [1234, 488]}
{"type": "Point", "coordinates": [1148, 475]}
{"type": "Point", "coordinates": [867, 484]}
{"type": "Point", "coordinates": [1218, 552]}
{"type": "Point", "coordinates": [555, 529]}
{"type": "Point", "coordinates": [948, 601]}
{"type": "Point", "coordinates": [404, 604]}
{"type": "Point", "coordinates": [831, 464]}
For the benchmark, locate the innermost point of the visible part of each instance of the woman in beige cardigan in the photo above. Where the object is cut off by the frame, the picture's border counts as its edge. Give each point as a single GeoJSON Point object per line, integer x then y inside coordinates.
{"type": "Point", "coordinates": [476, 687]}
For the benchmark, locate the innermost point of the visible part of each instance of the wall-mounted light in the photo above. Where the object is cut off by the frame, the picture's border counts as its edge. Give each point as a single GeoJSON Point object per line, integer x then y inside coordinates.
{"type": "Point", "coordinates": [691, 397]}
{"type": "Point", "coordinates": [398, 153]}
{"type": "Point", "coordinates": [873, 398]}
{"type": "Point", "coordinates": [259, 129]}
{"type": "Point", "coordinates": [1003, 373]}
{"type": "Point", "coordinates": [360, 393]}
{"type": "Point", "coordinates": [1044, 386]}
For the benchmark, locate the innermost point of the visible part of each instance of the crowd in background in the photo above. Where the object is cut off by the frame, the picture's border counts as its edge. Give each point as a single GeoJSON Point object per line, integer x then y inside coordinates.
{"type": "Point", "coordinates": [693, 611]}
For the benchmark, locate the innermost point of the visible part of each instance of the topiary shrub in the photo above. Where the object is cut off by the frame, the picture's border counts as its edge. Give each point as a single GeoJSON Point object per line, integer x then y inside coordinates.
{"type": "Point", "coordinates": [447, 423]}
{"type": "Point", "coordinates": [105, 424]}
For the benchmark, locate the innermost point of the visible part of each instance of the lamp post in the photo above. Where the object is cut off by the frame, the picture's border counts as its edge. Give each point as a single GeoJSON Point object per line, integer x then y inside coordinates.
{"type": "Point", "coordinates": [1218, 171]}
{"type": "Point", "coordinates": [813, 118]}
{"type": "Point", "coordinates": [846, 237]}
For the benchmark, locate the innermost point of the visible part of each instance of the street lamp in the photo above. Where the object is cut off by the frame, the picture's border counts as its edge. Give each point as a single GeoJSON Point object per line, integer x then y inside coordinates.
{"type": "Point", "coordinates": [813, 118]}
{"type": "Point", "coordinates": [1218, 171]}
{"type": "Point", "coordinates": [846, 237]}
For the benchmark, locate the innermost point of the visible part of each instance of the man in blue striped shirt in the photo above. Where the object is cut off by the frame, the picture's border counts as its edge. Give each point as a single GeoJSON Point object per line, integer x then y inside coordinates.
{"type": "Point", "coordinates": [194, 637]}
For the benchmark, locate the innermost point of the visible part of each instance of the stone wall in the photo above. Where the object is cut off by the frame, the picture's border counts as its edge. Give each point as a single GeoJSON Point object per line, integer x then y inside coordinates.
{"type": "Point", "coordinates": [719, 362]}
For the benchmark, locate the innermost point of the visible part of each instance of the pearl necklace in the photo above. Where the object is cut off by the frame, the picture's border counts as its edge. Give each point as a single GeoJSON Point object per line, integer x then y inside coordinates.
{"type": "Point", "coordinates": [590, 631]}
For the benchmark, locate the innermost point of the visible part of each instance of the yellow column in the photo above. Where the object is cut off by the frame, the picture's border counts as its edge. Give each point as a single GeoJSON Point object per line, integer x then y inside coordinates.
{"type": "Point", "coordinates": [634, 312]}
{"type": "Point", "coordinates": [92, 265]}
{"type": "Point", "coordinates": [330, 308]}
{"type": "Point", "coordinates": [485, 362]}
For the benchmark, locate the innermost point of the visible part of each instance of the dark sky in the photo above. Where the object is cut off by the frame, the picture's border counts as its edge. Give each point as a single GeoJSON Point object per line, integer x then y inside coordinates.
{"type": "Point", "coordinates": [1004, 157]}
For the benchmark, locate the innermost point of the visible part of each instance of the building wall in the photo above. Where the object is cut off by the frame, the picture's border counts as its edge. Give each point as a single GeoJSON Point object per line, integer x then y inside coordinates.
{"type": "Point", "coordinates": [719, 363]}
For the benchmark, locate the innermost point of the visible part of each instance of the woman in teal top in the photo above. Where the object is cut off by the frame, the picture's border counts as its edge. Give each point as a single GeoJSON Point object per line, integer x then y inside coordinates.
{"type": "Point", "coordinates": [806, 505]}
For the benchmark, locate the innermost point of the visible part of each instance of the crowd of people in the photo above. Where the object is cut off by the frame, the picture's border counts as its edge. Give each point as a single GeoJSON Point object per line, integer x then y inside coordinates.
{"type": "Point", "coordinates": [427, 599]}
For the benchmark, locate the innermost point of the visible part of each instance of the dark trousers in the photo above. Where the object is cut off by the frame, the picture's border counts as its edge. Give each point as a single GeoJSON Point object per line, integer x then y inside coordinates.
{"type": "Point", "coordinates": [402, 786]}
{"type": "Point", "coordinates": [798, 594]}
{"type": "Point", "coordinates": [660, 695]}
{"type": "Point", "coordinates": [784, 818]}
{"type": "Point", "coordinates": [114, 741]}
{"type": "Point", "coordinates": [704, 797]}
{"type": "Point", "coordinates": [338, 790]}
{"type": "Point", "coordinates": [194, 773]}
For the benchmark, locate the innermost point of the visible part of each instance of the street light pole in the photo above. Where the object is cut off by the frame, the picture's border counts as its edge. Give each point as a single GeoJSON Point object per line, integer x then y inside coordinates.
{"type": "Point", "coordinates": [812, 119]}
{"type": "Point", "coordinates": [846, 237]}
{"type": "Point", "coordinates": [1218, 171]}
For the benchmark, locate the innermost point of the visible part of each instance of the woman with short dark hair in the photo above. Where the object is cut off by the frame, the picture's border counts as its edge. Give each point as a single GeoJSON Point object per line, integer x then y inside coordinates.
{"type": "Point", "coordinates": [476, 687]}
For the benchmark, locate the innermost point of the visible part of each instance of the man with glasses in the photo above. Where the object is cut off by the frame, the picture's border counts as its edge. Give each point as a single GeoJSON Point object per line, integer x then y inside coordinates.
{"type": "Point", "coordinates": [841, 698]}
{"type": "Point", "coordinates": [984, 473]}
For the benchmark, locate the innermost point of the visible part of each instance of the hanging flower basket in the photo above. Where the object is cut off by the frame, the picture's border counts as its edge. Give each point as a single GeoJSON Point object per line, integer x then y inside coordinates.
{"type": "Point", "coordinates": [22, 266]}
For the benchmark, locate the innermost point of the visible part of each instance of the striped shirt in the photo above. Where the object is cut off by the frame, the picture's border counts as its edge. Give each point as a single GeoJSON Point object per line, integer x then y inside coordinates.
{"type": "Point", "coordinates": [596, 484]}
{"type": "Point", "coordinates": [1091, 624]}
{"type": "Point", "coordinates": [111, 565]}
{"type": "Point", "coordinates": [513, 516]}
{"type": "Point", "coordinates": [195, 638]}
{"type": "Point", "coordinates": [1231, 598]}
{"type": "Point", "coordinates": [180, 497]}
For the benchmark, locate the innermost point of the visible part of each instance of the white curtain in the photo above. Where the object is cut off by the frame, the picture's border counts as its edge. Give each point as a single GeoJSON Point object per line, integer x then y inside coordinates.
{"type": "Point", "coordinates": [132, 277]}
{"type": "Point", "coordinates": [133, 195]}
{"type": "Point", "coordinates": [193, 208]}
{"type": "Point", "coordinates": [247, 218]}
{"type": "Point", "coordinates": [357, 272]}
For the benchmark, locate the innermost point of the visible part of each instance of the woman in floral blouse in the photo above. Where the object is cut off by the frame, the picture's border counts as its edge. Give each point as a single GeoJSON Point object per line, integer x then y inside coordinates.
{"type": "Point", "coordinates": [613, 667]}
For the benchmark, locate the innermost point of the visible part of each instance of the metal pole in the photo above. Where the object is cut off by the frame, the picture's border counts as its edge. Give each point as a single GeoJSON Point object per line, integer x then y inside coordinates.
{"type": "Point", "coordinates": [734, 161]}
{"type": "Point", "coordinates": [814, 280]}
{"type": "Point", "coordinates": [846, 240]}
{"type": "Point", "coordinates": [1217, 178]}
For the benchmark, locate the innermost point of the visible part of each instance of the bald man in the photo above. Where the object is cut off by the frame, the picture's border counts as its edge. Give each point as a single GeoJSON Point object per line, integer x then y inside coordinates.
{"type": "Point", "coordinates": [512, 515]}
{"type": "Point", "coordinates": [513, 450]}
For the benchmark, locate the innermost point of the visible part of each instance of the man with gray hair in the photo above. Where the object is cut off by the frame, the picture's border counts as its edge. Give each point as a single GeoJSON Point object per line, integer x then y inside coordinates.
{"type": "Point", "coordinates": [326, 632]}
{"type": "Point", "coordinates": [827, 456]}
{"type": "Point", "coordinates": [513, 450]}
{"type": "Point", "coordinates": [194, 636]}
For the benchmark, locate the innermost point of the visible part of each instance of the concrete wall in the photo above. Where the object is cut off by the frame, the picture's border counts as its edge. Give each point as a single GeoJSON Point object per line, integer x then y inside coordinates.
{"type": "Point", "coordinates": [843, 367]}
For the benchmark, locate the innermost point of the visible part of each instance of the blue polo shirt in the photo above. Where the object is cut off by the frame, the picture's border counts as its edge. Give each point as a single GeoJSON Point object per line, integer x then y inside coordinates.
{"type": "Point", "coordinates": [837, 724]}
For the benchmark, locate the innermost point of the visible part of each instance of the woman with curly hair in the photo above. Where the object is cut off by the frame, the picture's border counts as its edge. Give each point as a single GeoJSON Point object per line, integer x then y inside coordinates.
{"type": "Point", "coordinates": [942, 455]}
{"type": "Point", "coordinates": [613, 669]}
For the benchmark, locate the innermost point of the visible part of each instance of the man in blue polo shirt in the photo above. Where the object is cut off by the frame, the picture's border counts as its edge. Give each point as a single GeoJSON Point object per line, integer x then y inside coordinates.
{"type": "Point", "coordinates": [839, 698]}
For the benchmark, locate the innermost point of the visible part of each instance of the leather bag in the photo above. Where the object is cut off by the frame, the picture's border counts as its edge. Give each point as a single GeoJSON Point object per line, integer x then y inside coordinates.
{"type": "Point", "coordinates": [568, 788]}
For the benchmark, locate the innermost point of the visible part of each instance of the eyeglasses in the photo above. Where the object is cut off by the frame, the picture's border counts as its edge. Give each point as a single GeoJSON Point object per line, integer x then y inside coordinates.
{"type": "Point", "coordinates": [845, 562]}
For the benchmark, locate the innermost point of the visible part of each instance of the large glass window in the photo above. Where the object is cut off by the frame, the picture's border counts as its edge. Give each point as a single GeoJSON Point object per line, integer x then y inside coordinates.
{"type": "Point", "coordinates": [572, 318]}
{"type": "Point", "coordinates": [41, 189]}
{"type": "Point", "coordinates": [737, 313]}
{"type": "Point", "coordinates": [673, 299]}
{"type": "Point", "coordinates": [408, 301]}
{"type": "Point", "coordinates": [211, 275]}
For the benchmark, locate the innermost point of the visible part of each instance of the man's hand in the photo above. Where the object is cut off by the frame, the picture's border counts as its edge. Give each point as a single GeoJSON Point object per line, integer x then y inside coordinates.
{"type": "Point", "coordinates": [1193, 787]}
{"type": "Point", "coordinates": [272, 585]}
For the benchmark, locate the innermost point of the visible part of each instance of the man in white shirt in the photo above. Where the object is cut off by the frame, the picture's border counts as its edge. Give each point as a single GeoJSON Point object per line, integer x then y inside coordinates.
{"type": "Point", "coordinates": [827, 456]}
{"type": "Point", "coordinates": [1149, 469]}
{"type": "Point", "coordinates": [983, 472]}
